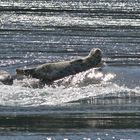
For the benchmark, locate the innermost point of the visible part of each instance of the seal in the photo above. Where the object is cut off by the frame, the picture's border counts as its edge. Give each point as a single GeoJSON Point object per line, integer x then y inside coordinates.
{"type": "Point", "coordinates": [6, 78]}
{"type": "Point", "coordinates": [50, 72]}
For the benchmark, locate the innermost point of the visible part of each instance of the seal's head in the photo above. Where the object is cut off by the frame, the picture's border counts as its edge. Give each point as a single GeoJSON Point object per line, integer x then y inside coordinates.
{"type": "Point", "coordinates": [94, 57]}
{"type": "Point", "coordinates": [96, 52]}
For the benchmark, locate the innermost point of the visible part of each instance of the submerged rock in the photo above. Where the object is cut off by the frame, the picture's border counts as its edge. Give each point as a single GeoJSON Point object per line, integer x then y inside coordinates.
{"type": "Point", "coordinates": [6, 78]}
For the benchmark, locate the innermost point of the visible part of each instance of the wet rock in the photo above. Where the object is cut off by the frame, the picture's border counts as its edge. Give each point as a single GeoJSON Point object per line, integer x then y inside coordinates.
{"type": "Point", "coordinates": [6, 78]}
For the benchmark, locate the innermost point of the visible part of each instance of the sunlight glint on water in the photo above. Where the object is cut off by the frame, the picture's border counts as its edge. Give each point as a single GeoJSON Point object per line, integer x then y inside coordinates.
{"type": "Point", "coordinates": [95, 104]}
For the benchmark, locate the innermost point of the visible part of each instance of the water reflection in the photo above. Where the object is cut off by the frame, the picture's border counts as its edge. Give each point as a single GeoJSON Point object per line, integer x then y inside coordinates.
{"type": "Point", "coordinates": [66, 122]}
{"type": "Point", "coordinates": [97, 113]}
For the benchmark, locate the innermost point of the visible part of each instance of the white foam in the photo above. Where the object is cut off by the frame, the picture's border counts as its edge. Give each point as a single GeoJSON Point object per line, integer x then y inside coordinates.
{"type": "Point", "coordinates": [80, 86]}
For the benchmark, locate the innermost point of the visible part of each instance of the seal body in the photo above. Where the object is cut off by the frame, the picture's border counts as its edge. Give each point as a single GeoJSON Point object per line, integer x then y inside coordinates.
{"type": "Point", "coordinates": [6, 78]}
{"type": "Point", "coordinates": [50, 72]}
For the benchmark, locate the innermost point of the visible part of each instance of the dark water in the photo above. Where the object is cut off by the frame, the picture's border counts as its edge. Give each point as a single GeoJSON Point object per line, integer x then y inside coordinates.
{"type": "Point", "coordinates": [99, 104]}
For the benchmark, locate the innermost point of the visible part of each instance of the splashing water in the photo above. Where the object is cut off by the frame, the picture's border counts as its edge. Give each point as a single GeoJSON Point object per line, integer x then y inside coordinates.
{"type": "Point", "coordinates": [90, 83]}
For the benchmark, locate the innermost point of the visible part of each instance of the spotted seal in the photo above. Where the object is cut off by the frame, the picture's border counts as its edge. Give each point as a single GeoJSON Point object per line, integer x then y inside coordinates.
{"type": "Point", "coordinates": [6, 78]}
{"type": "Point", "coordinates": [50, 72]}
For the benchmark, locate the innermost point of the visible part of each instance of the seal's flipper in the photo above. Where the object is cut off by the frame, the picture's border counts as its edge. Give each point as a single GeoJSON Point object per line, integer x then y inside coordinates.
{"type": "Point", "coordinates": [26, 72]}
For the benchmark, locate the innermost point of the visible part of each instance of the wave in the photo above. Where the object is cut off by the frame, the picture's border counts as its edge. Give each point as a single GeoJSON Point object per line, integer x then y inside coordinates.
{"type": "Point", "coordinates": [90, 84]}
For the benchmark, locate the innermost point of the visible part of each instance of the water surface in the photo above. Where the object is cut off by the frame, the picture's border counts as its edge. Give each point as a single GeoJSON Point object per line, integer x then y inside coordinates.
{"type": "Point", "coordinates": [100, 103]}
